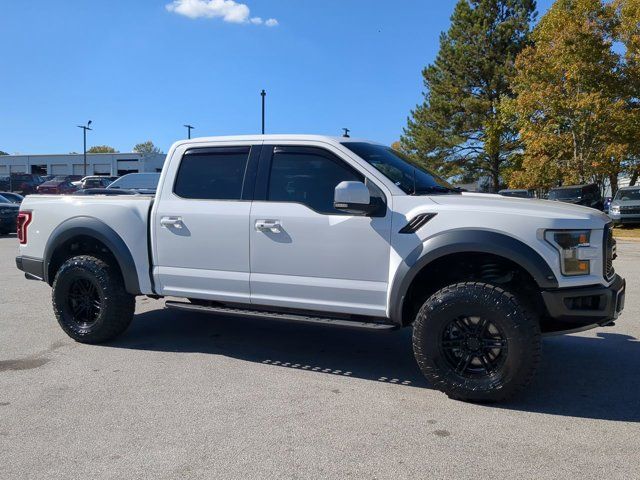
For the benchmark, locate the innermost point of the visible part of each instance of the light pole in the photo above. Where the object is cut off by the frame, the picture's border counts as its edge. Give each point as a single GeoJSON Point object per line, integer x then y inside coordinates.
{"type": "Point", "coordinates": [84, 137]}
{"type": "Point", "coordinates": [346, 133]}
{"type": "Point", "coordinates": [263, 94]}
{"type": "Point", "coordinates": [189, 128]}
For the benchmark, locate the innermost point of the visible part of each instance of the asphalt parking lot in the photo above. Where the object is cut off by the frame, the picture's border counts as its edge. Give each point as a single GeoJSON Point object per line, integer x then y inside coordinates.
{"type": "Point", "coordinates": [194, 396]}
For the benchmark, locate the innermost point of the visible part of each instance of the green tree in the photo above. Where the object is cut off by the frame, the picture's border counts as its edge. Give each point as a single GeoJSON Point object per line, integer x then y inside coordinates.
{"type": "Point", "coordinates": [459, 130]}
{"type": "Point", "coordinates": [102, 149]}
{"type": "Point", "coordinates": [572, 102]}
{"type": "Point", "coordinates": [628, 34]}
{"type": "Point", "coordinates": [146, 148]}
{"type": "Point", "coordinates": [3, 153]}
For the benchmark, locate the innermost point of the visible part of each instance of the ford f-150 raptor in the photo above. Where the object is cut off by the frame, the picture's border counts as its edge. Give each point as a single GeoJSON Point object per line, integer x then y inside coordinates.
{"type": "Point", "coordinates": [332, 231]}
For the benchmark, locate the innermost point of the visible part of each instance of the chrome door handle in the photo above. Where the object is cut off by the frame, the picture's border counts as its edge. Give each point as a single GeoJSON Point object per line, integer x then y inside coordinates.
{"type": "Point", "coordinates": [175, 222]}
{"type": "Point", "coordinates": [272, 226]}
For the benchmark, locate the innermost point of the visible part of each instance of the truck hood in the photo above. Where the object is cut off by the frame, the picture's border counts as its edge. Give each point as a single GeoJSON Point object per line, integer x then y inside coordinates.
{"type": "Point", "coordinates": [519, 206]}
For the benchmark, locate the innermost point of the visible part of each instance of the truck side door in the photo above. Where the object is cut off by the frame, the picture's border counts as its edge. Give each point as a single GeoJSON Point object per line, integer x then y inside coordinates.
{"type": "Point", "coordinates": [306, 254]}
{"type": "Point", "coordinates": [200, 223]}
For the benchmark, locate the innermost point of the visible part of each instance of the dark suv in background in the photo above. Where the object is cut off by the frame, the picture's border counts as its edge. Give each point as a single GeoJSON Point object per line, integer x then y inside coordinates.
{"type": "Point", "coordinates": [24, 183]}
{"type": "Point", "coordinates": [587, 195]}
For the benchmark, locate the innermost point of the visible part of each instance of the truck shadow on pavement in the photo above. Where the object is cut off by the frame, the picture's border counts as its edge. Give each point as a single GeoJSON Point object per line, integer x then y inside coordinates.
{"type": "Point", "coordinates": [589, 377]}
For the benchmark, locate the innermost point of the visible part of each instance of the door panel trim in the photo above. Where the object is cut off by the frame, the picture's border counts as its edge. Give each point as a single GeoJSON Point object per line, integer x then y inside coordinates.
{"type": "Point", "coordinates": [321, 294]}
{"type": "Point", "coordinates": [204, 284]}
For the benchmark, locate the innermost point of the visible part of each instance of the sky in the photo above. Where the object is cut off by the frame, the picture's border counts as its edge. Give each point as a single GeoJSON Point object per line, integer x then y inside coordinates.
{"type": "Point", "coordinates": [142, 69]}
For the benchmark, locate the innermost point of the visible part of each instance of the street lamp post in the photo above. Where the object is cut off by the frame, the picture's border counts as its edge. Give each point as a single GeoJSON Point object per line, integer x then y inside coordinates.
{"type": "Point", "coordinates": [263, 94]}
{"type": "Point", "coordinates": [189, 128]}
{"type": "Point", "coordinates": [84, 138]}
{"type": "Point", "coordinates": [346, 132]}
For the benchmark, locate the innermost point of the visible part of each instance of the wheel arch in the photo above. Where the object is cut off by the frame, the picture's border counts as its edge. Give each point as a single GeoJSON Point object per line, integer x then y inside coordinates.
{"type": "Point", "coordinates": [92, 228]}
{"type": "Point", "coordinates": [466, 242]}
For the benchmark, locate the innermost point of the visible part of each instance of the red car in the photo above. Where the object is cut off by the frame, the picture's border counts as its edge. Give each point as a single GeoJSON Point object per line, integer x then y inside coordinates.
{"type": "Point", "coordinates": [57, 187]}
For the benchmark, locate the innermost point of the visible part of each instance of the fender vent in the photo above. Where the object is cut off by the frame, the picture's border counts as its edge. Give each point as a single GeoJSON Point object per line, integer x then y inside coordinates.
{"type": "Point", "coordinates": [417, 222]}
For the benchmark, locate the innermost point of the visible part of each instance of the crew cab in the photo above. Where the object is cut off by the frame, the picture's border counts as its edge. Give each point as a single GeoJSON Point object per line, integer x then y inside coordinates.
{"type": "Point", "coordinates": [332, 231]}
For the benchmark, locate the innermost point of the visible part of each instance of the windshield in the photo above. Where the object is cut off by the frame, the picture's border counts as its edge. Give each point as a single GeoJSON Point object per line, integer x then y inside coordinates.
{"type": "Point", "coordinates": [4, 200]}
{"type": "Point", "coordinates": [397, 167]}
{"type": "Point", "coordinates": [632, 195]}
{"type": "Point", "coordinates": [142, 181]}
{"type": "Point", "coordinates": [564, 194]}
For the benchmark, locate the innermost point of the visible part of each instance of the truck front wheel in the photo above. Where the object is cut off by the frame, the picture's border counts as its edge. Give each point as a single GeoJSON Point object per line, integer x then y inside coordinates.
{"type": "Point", "coordinates": [476, 342]}
{"type": "Point", "coordinates": [90, 300]}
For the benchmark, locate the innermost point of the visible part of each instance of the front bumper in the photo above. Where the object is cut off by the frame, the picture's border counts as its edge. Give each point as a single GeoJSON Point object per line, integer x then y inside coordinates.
{"type": "Point", "coordinates": [582, 306]}
{"type": "Point", "coordinates": [625, 219]}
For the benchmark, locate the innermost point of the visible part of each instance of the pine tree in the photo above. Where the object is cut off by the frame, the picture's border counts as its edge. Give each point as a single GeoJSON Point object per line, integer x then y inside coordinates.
{"type": "Point", "coordinates": [459, 129]}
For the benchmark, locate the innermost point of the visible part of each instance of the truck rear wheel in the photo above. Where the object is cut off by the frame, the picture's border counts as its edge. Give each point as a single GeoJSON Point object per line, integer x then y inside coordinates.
{"type": "Point", "coordinates": [476, 342]}
{"type": "Point", "coordinates": [90, 300]}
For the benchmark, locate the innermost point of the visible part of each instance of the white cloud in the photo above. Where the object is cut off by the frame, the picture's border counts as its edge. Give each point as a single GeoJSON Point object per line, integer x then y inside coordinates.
{"type": "Point", "coordinates": [228, 10]}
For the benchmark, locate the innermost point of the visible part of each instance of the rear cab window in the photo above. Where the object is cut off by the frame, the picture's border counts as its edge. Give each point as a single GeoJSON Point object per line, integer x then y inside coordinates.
{"type": "Point", "coordinates": [212, 173]}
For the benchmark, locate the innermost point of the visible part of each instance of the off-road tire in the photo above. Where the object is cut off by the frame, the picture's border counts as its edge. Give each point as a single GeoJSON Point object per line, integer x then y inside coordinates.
{"type": "Point", "coordinates": [116, 306]}
{"type": "Point", "coordinates": [517, 324]}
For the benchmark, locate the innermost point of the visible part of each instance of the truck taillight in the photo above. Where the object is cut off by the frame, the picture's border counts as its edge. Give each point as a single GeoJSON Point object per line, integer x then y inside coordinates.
{"type": "Point", "coordinates": [23, 221]}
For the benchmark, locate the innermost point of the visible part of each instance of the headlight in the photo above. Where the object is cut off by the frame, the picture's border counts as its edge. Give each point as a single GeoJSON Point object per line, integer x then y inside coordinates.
{"type": "Point", "coordinates": [568, 243]}
{"type": "Point", "coordinates": [614, 209]}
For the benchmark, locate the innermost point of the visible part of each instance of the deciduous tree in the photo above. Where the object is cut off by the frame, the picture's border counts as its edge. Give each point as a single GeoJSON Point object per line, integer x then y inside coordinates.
{"type": "Point", "coordinates": [102, 149]}
{"type": "Point", "coordinates": [571, 104]}
{"type": "Point", "coordinates": [146, 148]}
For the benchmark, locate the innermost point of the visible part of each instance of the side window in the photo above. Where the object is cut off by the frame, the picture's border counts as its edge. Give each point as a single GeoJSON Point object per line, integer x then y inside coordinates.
{"type": "Point", "coordinates": [308, 176]}
{"type": "Point", "coordinates": [212, 174]}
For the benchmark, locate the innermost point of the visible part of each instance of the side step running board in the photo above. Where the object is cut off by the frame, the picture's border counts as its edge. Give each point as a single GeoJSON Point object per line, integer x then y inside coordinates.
{"type": "Point", "coordinates": [290, 317]}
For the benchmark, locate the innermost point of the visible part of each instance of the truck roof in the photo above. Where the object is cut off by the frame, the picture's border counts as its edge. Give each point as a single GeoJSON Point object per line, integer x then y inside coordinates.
{"type": "Point", "coordinates": [274, 138]}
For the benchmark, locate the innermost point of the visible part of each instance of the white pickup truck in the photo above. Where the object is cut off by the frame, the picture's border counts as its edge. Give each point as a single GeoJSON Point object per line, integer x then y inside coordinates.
{"type": "Point", "coordinates": [332, 231]}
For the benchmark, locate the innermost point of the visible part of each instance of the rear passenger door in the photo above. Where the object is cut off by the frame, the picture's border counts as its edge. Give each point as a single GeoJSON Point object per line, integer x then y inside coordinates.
{"type": "Point", "coordinates": [315, 257]}
{"type": "Point", "coordinates": [201, 224]}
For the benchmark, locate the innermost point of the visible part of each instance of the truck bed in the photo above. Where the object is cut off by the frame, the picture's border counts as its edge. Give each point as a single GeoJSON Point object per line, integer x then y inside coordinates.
{"type": "Point", "coordinates": [125, 214]}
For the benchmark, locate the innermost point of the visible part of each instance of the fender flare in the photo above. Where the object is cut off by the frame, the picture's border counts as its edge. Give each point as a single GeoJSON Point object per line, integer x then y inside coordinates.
{"type": "Point", "coordinates": [92, 227]}
{"type": "Point", "coordinates": [466, 241]}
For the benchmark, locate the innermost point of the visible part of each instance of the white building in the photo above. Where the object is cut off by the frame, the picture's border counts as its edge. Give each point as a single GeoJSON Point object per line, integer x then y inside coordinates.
{"type": "Point", "coordinates": [113, 164]}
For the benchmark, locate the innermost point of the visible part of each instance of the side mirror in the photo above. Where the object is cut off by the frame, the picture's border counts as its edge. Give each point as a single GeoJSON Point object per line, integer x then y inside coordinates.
{"type": "Point", "coordinates": [354, 198]}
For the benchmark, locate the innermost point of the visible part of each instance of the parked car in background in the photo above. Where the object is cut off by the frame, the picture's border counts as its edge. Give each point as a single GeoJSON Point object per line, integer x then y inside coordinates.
{"type": "Point", "coordinates": [15, 198]}
{"type": "Point", "coordinates": [587, 195]}
{"type": "Point", "coordinates": [517, 192]}
{"type": "Point", "coordinates": [95, 181]}
{"type": "Point", "coordinates": [137, 182]}
{"type": "Point", "coordinates": [24, 183]}
{"type": "Point", "coordinates": [8, 215]}
{"type": "Point", "coordinates": [56, 187]}
{"type": "Point", "coordinates": [625, 207]}
{"type": "Point", "coordinates": [606, 204]}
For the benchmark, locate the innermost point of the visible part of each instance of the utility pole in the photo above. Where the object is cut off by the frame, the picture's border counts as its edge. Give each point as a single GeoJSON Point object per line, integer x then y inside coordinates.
{"type": "Point", "coordinates": [84, 137]}
{"type": "Point", "coordinates": [263, 94]}
{"type": "Point", "coordinates": [189, 128]}
{"type": "Point", "coordinates": [346, 133]}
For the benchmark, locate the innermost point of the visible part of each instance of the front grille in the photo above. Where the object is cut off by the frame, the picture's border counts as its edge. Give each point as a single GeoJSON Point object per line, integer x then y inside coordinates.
{"type": "Point", "coordinates": [609, 254]}
{"type": "Point", "coordinates": [630, 210]}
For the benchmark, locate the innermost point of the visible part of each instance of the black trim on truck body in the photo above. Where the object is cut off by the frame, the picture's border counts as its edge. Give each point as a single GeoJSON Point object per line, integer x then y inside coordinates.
{"type": "Point", "coordinates": [466, 241]}
{"type": "Point", "coordinates": [92, 227]}
{"type": "Point", "coordinates": [33, 268]}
